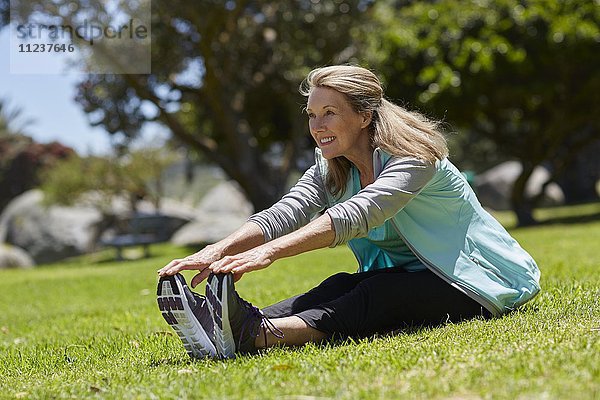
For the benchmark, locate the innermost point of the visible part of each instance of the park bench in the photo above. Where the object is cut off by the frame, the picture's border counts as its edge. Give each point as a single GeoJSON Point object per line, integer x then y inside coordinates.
{"type": "Point", "coordinates": [140, 230]}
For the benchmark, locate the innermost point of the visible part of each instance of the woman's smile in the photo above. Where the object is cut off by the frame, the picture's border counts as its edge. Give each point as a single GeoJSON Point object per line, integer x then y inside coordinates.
{"type": "Point", "coordinates": [326, 140]}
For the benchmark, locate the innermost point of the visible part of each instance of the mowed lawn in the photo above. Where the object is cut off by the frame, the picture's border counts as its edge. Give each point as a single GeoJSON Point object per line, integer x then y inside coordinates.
{"type": "Point", "coordinates": [90, 328]}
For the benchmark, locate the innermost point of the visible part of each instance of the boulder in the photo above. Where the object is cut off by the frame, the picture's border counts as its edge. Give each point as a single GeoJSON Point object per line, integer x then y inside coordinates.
{"type": "Point", "coordinates": [225, 198]}
{"type": "Point", "coordinates": [221, 211]}
{"type": "Point", "coordinates": [14, 257]}
{"type": "Point", "coordinates": [494, 186]}
{"type": "Point", "coordinates": [51, 233]}
{"type": "Point", "coordinates": [47, 233]}
{"type": "Point", "coordinates": [169, 207]}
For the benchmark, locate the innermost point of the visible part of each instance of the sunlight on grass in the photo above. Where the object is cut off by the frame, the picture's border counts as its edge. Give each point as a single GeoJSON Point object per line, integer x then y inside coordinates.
{"type": "Point", "coordinates": [89, 327]}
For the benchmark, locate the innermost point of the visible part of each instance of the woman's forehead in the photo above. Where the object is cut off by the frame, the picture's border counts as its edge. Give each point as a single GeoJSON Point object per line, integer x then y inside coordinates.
{"type": "Point", "coordinates": [321, 97]}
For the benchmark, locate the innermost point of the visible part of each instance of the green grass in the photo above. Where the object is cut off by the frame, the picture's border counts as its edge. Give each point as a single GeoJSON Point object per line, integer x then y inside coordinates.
{"type": "Point", "coordinates": [90, 328]}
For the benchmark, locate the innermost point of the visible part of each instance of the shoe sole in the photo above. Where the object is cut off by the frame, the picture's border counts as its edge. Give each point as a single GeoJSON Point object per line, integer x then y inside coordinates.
{"type": "Point", "coordinates": [175, 309]}
{"type": "Point", "coordinates": [217, 292]}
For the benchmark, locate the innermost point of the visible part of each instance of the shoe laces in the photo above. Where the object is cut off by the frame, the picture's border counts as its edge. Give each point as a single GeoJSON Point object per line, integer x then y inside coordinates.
{"type": "Point", "coordinates": [254, 313]}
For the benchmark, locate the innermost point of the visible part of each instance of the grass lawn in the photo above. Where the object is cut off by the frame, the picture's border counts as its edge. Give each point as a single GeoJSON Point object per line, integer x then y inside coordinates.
{"type": "Point", "coordinates": [90, 328]}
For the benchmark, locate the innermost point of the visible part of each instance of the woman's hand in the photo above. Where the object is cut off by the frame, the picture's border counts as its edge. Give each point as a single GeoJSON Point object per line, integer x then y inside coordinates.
{"type": "Point", "coordinates": [200, 261]}
{"type": "Point", "coordinates": [251, 260]}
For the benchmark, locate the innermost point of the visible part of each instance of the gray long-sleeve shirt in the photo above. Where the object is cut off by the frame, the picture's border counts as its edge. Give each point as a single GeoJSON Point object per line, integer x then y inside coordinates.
{"type": "Point", "coordinates": [352, 214]}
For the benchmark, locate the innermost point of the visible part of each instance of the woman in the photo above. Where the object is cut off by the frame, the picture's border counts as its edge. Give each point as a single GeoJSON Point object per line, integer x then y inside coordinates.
{"type": "Point", "coordinates": [427, 251]}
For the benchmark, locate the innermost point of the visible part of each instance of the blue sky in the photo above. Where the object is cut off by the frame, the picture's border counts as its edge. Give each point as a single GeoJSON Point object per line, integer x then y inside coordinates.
{"type": "Point", "coordinates": [48, 100]}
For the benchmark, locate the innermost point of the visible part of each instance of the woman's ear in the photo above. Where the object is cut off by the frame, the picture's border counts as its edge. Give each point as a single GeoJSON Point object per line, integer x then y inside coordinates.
{"type": "Point", "coordinates": [367, 117]}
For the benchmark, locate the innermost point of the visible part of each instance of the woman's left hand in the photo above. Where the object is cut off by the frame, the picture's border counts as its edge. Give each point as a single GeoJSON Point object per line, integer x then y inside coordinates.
{"type": "Point", "coordinates": [250, 260]}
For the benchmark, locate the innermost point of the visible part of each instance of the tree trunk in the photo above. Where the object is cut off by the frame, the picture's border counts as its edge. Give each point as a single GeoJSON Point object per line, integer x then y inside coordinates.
{"type": "Point", "coordinates": [521, 205]}
{"type": "Point", "coordinates": [239, 159]}
{"type": "Point", "coordinates": [258, 184]}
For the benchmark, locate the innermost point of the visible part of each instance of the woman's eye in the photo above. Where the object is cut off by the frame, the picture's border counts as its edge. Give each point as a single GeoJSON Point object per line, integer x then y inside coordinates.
{"type": "Point", "coordinates": [311, 115]}
{"type": "Point", "coordinates": [329, 112]}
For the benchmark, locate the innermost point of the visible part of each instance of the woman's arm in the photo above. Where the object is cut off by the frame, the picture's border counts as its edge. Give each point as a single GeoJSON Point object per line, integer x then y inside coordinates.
{"type": "Point", "coordinates": [315, 235]}
{"type": "Point", "coordinates": [294, 210]}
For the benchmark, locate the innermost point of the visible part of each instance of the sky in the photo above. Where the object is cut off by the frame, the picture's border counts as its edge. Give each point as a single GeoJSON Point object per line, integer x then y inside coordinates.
{"type": "Point", "coordinates": [47, 99]}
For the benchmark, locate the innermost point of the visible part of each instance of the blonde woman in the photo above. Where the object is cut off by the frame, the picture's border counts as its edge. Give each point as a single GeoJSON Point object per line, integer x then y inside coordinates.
{"type": "Point", "coordinates": [427, 251]}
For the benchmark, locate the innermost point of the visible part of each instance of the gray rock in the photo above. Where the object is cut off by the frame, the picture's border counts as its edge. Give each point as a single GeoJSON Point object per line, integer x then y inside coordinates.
{"type": "Point", "coordinates": [225, 198]}
{"type": "Point", "coordinates": [169, 207]}
{"type": "Point", "coordinates": [221, 211]}
{"type": "Point", "coordinates": [47, 233]}
{"type": "Point", "coordinates": [494, 186]}
{"type": "Point", "coordinates": [51, 233]}
{"type": "Point", "coordinates": [14, 257]}
{"type": "Point", "coordinates": [207, 229]}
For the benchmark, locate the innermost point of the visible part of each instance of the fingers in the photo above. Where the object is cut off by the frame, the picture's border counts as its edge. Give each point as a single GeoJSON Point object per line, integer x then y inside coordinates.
{"type": "Point", "coordinates": [237, 264]}
{"type": "Point", "coordinates": [199, 277]}
{"type": "Point", "coordinates": [163, 270]}
{"type": "Point", "coordinates": [202, 275]}
{"type": "Point", "coordinates": [226, 264]}
{"type": "Point", "coordinates": [179, 265]}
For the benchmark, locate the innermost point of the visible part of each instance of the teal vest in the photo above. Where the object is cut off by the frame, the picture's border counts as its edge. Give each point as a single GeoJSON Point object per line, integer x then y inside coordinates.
{"type": "Point", "coordinates": [448, 230]}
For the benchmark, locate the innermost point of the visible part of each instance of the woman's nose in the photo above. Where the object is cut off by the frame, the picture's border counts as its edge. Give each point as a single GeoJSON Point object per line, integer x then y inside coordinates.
{"type": "Point", "coordinates": [317, 125]}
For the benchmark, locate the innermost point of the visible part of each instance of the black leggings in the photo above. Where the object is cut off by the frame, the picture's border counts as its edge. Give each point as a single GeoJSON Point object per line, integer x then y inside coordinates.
{"type": "Point", "coordinates": [365, 303]}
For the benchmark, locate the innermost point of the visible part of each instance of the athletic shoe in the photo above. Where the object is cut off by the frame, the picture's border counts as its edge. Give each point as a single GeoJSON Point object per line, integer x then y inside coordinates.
{"type": "Point", "coordinates": [188, 315]}
{"type": "Point", "coordinates": [236, 322]}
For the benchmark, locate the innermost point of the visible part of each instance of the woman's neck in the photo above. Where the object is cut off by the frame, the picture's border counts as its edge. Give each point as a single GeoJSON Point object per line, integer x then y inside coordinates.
{"type": "Point", "coordinates": [364, 163]}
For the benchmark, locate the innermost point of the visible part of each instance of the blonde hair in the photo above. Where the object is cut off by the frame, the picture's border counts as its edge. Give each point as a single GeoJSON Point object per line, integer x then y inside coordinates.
{"type": "Point", "coordinates": [394, 129]}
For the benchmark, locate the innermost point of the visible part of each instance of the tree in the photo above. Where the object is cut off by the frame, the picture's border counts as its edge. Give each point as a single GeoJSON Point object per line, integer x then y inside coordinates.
{"type": "Point", "coordinates": [224, 80]}
{"type": "Point", "coordinates": [21, 158]}
{"type": "Point", "coordinates": [11, 121]}
{"type": "Point", "coordinates": [4, 12]}
{"type": "Point", "coordinates": [100, 180]}
{"type": "Point", "coordinates": [521, 74]}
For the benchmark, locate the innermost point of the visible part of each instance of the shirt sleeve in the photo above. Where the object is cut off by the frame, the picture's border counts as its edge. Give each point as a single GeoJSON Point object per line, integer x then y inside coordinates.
{"type": "Point", "coordinates": [399, 182]}
{"type": "Point", "coordinates": [295, 209]}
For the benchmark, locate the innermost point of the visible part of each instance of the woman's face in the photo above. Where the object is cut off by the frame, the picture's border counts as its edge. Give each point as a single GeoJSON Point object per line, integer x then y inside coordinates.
{"type": "Point", "coordinates": [336, 128]}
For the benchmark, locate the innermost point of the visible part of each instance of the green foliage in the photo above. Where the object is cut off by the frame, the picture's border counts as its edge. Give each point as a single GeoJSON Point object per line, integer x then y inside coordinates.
{"type": "Point", "coordinates": [521, 73]}
{"type": "Point", "coordinates": [517, 77]}
{"type": "Point", "coordinates": [93, 330]}
{"type": "Point", "coordinates": [11, 120]}
{"type": "Point", "coordinates": [100, 180]}
{"type": "Point", "coordinates": [69, 180]}
{"type": "Point", "coordinates": [21, 158]}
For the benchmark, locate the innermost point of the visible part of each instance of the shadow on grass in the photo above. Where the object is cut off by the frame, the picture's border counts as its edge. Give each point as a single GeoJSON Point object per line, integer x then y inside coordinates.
{"type": "Point", "coordinates": [572, 219]}
{"type": "Point", "coordinates": [588, 213]}
{"type": "Point", "coordinates": [92, 259]}
{"type": "Point", "coordinates": [420, 332]}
